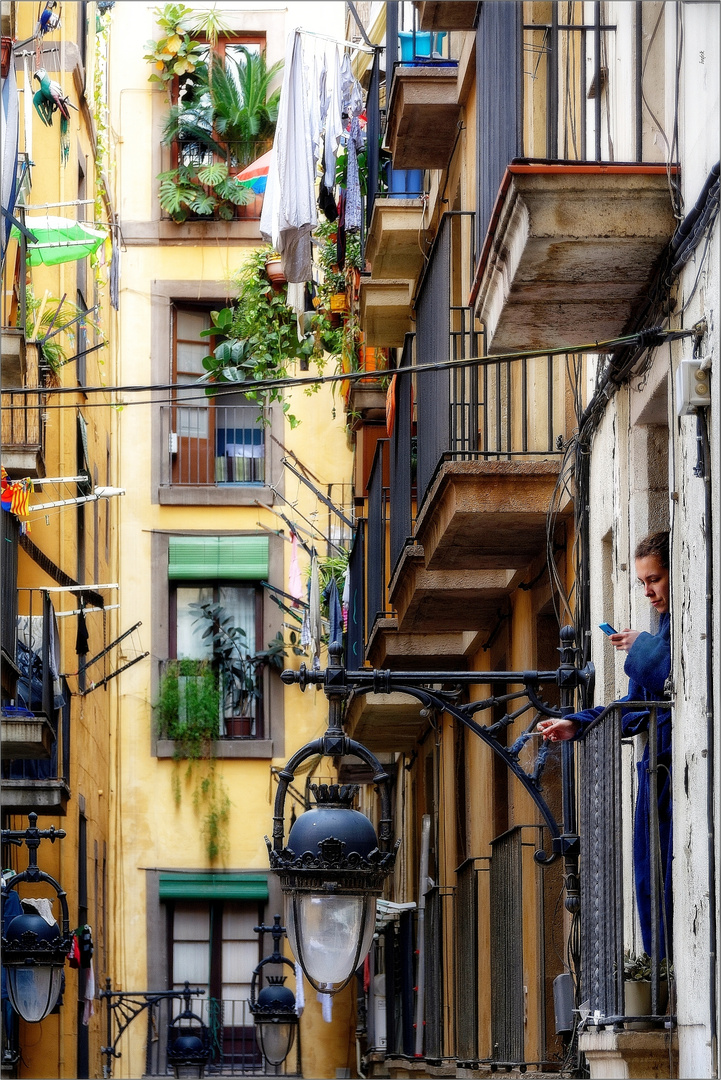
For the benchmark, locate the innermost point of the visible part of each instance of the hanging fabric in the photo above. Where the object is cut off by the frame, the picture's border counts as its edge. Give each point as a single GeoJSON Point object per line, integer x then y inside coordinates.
{"type": "Point", "coordinates": [335, 613]}
{"type": "Point", "coordinates": [289, 211]}
{"type": "Point", "coordinates": [314, 621]}
{"type": "Point", "coordinates": [295, 586]}
{"type": "Point", "coordinates": [334, 120]}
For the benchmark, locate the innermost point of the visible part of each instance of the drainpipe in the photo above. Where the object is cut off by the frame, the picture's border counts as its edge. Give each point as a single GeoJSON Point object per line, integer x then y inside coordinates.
{"type": "Point", "coordinates": [422, 887]}
{"type": "Point", "coordinates": [708, 530]}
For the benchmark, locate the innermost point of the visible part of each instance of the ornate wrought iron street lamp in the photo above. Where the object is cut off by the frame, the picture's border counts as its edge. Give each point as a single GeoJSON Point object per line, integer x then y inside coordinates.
{"type": "Point", "coordinates": [188, 1043]}
{"type": "Point", "coordinates": [34, 949]}
{"type": "Point", "coordinates": [333, 867]}
{"type": "Point", "coordinates": [273, 1007]}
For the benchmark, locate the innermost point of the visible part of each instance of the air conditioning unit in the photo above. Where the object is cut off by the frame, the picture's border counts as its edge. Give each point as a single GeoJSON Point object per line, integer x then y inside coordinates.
{"type": "Point", "coordinates": [173, 442]}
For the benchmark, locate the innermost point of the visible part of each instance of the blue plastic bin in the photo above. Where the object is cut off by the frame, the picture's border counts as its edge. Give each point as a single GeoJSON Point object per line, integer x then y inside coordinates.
{"type": "Point", "coordinates": [426, 43]}
{"type": "Point", "coordinates": [405, 182]}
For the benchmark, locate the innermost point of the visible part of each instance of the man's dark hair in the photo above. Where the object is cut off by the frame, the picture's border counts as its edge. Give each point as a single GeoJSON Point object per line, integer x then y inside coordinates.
{"type": "Point", "coordinates": [655, 544]}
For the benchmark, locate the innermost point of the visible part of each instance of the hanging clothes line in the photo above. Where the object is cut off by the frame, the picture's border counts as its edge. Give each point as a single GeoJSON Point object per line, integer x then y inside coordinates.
{"type": "Point", "coordinates": [337, 41]}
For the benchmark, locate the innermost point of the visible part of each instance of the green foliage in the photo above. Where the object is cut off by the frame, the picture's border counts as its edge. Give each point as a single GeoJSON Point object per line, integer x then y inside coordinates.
{"type": "Point", "coordinates": [240, 668]}
{"type": "Point", "coordinates": [188, 707]}
{"type": "Point", "coordinates": [257, 338]}
{"type": "Point", "coordinates": [175, 53]}
{"type": "Point", "coordinates": [211, 799]}
{"type": "Point", "coordinates": [41, 319]}
{"type": "Point", "coordinates": [638, 968]}
{"type": "Point", "coordinates": [225, 119]}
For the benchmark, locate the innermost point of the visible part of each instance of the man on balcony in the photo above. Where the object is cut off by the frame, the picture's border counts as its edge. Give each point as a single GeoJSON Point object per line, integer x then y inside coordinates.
{"type": "Point", "coordinates": [647, 665]}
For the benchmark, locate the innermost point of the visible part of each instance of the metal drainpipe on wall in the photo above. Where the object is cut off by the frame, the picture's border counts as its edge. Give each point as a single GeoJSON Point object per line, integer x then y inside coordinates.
{"type": "Point", "coordinates": [422, 886]}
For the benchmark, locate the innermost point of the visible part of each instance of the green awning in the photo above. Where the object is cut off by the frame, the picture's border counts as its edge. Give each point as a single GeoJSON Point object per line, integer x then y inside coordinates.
{"type": "Point", "coordinates": [208, 886]}
{"type": "Point", "coordinates": [244, 557]}
{"type": "Point", "coordinates": [60, 240]}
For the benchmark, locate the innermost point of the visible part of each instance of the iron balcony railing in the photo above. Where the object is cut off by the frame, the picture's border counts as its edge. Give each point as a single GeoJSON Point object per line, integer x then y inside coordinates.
{"type": "Point", "coordinates": [610, 925]}
{"type": "Point", "coordinates": [402, 478]}
{"type": "Point", "coordinates": [543, 91]}
{"type": "Point", "coordinates": [507, 984]}
{"type": "Point", "coordinates": [439, 1030]}
{"type": "Point", "coordinates": [377, 536]}
{"type": "Point", "coordinates": [355, 637]}
{"type": "Point", "coordinates": [470, 876]}
{"type": "Point", "coordinates": [212, 445]}
{"type": "Point", "coordinates": [445, 332]}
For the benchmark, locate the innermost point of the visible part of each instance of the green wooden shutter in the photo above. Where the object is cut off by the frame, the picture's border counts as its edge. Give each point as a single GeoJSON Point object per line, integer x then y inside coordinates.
{"type": "Point", "coordinates": [231, 557]}
{"type": "Point", "coordinates": [210, 886]}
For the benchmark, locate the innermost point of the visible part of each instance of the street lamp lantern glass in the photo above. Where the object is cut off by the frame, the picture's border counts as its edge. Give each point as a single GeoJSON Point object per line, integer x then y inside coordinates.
{"type": "Point", "coordinates": [275, 1040]}
{"type": "Point", "coordinates": [330, 935]}
{"type": "Point", "coordinates": [188, 1071]}
{"type": "Point", "coordinates": [34, 990]}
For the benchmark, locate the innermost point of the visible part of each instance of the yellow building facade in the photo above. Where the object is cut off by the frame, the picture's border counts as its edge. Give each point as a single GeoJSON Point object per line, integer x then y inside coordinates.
{"type": "Point", "coordinates": [208, 519]}
{"type": "Point", "coordinates": [59, 571]}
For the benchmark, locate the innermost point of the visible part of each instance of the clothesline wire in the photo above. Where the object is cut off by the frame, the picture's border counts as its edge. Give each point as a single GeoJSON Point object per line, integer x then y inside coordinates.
{"type": "Point", "coordinates": [221, 390]}
{"type": "Point", "coordinates": [337, 41]}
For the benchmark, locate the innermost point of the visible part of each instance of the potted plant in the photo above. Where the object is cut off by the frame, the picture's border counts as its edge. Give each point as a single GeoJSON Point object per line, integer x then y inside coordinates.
{"type": "Point", "coordinates": [240, 669]}
{"type": "Point", "coordinates": [637, 987]}
{"type": "Point", "coordinates": [274, 270]}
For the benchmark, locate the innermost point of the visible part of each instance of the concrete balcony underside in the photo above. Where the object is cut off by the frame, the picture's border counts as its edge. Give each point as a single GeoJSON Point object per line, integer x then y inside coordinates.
{"type": "Point", "coordinates": [47, 798]}
{"type": "Point", "coordinates": [393, 247]}
{"type": "Point", "coordinates": [423, 115]}
{"type": "Point", "coordinates": [446, 14]}
{"type": "Point", "coordinates": [385, 723]}
{"type": "Point", "coordinates": [26, 738]}
{"type": "Point", "coordinates": [385, 311]}
{"type": "Point", "coordinates": [570, 253]}
{"type": "Point", "coordinates": [390, 648]}
{"type": "Point", "coordinates": [445, 600]}
{"type": "Point", "coordinates": [486, 515]}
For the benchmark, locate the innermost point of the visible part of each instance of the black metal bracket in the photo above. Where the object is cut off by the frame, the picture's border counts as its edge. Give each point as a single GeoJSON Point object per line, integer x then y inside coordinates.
{"type": "Point", "coordinates": [439, 690]}
{"type": "Point", "coordinates": [125, 1005]}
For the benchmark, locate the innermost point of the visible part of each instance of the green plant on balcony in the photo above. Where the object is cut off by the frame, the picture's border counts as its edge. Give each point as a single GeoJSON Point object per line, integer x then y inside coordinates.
{"type": "Point", "coordinates": [257, 337]}
{"type": "Point", "coordinates": [48, 316]}
{"type": "Point", "coordinates": [177, 53]}
{"type": "Point", "coordinates": [240, 667]}
{"type": "Point", "coordinates": [224, 118]}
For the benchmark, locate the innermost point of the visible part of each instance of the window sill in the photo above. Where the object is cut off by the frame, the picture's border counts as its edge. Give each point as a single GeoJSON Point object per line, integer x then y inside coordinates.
{"type": "Point", "coordinates": [232, 495]}
{"type": "Point", "coordinates": [224, 748]}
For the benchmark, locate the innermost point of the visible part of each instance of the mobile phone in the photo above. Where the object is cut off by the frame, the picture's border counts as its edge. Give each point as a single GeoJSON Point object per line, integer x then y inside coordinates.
{"type": "Point", "coordinates": [607, 628]}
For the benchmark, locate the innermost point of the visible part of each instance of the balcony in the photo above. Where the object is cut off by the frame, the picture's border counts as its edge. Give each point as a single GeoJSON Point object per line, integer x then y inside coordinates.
{"type": "Point", "coordinates": [446, 14]}
{"type": "Point", "coordinates": [423, 114]}
{"type": "Point", "coordinates": [487, 515]}
{"type": "Point", "coordinates": [385, 311]}
{"type": "Point", "coordinates": [570, 252]}
{"type": "Point", "coordinates": [392, 246]}
{"type": "Point", "coordinates": [385, 723]}
{"type": "Point", "coordinates": [388, 647]}
{"type": "Point", "coordinates": [212, 445]}
{"type": "Point", "coordinates": [456, 599]}
{"type": "Point", "coordinates": [365, 398]}
{"type": "Point", "coordinates": [36, 729]}
{"type": "Point", "coordinates": [20, 413]}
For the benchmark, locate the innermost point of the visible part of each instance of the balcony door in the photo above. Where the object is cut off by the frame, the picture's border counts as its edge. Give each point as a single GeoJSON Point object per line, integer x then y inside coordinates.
{"type": "Point", "coordinates": [193, 431]}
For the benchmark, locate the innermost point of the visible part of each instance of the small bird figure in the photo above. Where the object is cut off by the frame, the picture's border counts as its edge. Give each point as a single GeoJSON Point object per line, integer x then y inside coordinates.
{"type": "Point", "coordinates": [49, 99]}
{"type": "Point", "coordinates": [49, 20]}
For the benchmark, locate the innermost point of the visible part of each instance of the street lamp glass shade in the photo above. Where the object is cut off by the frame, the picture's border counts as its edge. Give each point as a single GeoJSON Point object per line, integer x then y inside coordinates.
{"type": "Point", "coordinates": [275, 1040]}
{"type": "Point", "coordinates": [34, 990]}
{"type": "Point", "coordinates": [330, 935]}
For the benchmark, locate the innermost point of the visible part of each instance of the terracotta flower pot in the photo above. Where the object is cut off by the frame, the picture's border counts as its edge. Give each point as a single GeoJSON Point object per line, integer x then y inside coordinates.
{"type": "Point", "coordinates": [274, 271]}
{"type": "Point", "coordinates": [239, 727]}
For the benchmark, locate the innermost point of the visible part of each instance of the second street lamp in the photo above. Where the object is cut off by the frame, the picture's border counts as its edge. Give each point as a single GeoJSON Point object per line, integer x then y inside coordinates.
{"type": "Point", "coordinates": [273, 1007]}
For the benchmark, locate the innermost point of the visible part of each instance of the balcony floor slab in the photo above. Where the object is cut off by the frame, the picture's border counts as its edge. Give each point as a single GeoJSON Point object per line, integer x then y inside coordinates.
{"type": "Point", "coordinates": [486, 515]}
{"type": "Point", "coordinates": [393, 247]}
{"type": "Point", "coordinates": [389, 648]}
{"type": "Point", "coordinates": [571, 252]}
{"type": "Point", "coordinates": [423, 115]}
{"type": "Point", "coordinates": [447, 599]}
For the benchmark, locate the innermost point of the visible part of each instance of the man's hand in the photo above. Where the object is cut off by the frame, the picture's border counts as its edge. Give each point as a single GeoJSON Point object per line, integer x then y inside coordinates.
{"type": "Point", "coordinates": [624, 640]}
{"type": "Point", "coordinates": [558, 730]}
